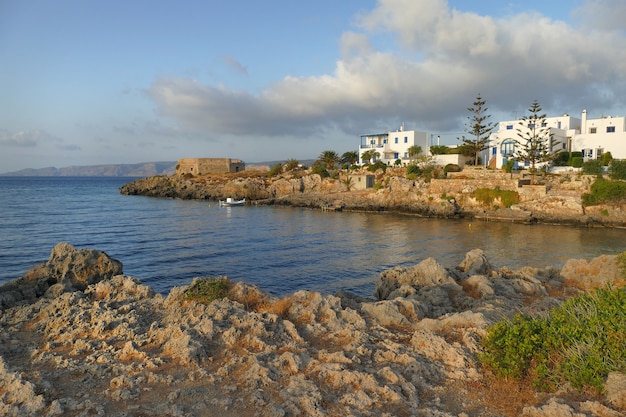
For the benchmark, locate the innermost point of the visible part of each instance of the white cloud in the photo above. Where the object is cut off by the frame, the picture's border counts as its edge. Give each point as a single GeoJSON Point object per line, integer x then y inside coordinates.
{"type": "Point", "coordinates": [443, 59]}
{"type": "Point", "coordinates": [601, 14]}
{"type": "Point", "coordinates": [29, 138]}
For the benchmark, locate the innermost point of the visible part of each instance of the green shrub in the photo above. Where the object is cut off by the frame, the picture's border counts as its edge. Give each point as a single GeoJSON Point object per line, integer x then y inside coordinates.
{"type": "Point", "coordinates": [376, 166]}
{"type": "Point", "coordinates": [320, 169]}
{"type": "Point", "coordinates": [606, 159]}
{"type": "Point", "coordinates": [593, 167]}
{"type": "Point", "coordinates": [292, 164]}
{"type": "Point", "coordinates": [579, 342]}
{"type": "Point", "coordinates": [413, 169]}
{"type": "Point", "coordinates": [604, 191]}
{"type": "Point", "coordinates": [206, 290]}
{"type": "Point", "coordinates": [577, 161]}
{"type": "Point", "coordinates": [562, 159]}
{"type": "Point", "coordinates": [487, 196]}
{"type": "Point", "coordinates": [276, 170]}
{"type": "Point", "coordinates": [617, 169]}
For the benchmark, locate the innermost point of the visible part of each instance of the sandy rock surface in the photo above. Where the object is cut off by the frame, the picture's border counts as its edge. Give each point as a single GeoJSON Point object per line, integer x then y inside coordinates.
{"type": "Point", "coordinates": [106, 345]}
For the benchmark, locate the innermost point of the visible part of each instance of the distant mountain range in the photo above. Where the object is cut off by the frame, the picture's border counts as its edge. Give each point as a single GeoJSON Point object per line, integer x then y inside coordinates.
{"type": "Point", "coordinates": [145, 169]}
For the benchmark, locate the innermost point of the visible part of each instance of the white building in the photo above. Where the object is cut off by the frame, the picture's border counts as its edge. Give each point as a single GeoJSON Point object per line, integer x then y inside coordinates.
{"type": "Point", "coordinates": [597, 136]}
{"type": "Point", "coordinates": [392, 146]}
{"type": "Point", "coordinates": [504, 142]}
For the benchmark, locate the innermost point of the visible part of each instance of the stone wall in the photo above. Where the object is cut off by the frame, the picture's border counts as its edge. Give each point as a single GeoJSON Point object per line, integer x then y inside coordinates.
{"type": "Point", "coordinates": [203, 166]}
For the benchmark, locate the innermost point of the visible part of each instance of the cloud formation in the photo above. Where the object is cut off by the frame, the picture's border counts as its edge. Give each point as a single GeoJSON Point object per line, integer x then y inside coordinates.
{"type": "Point", "coordinates": [26, 139]}
{"type": "Point", "coordinates": [443, 58]}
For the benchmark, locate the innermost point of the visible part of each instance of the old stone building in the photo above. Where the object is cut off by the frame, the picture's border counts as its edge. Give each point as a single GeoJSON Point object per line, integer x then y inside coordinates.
{"type": "Point", "coordinates": [203, 166]}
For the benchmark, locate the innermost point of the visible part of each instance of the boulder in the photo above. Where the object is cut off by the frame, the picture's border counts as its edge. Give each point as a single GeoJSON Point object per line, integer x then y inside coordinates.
{"type": "Point", "coordinates": [427, 273]}
{"type": "Point", "coordinates": [595, 273]}
{"type": "Point", "coordinates": [67, 269]}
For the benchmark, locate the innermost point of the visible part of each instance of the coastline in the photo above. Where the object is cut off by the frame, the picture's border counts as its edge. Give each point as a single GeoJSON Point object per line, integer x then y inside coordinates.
{"type": "Point", "coordinates": [556, 202]}
{"type": "Point", "coordinates": [80, 338]}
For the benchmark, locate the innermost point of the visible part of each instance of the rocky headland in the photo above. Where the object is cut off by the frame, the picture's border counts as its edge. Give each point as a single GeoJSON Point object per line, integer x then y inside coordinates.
{"type": "Point", "coordinates": [79, 338]}
{"type": "Point", "coordinates": [555, 199]}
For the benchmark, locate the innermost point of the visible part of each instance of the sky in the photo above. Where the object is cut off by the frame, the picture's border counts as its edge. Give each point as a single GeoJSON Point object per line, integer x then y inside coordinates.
{"type": "Point", "coordinates": [86, 82]}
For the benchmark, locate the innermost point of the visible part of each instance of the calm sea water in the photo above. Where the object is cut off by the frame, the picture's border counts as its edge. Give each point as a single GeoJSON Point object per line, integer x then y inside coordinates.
{"type": "Point", "coordinates": [166, 242]}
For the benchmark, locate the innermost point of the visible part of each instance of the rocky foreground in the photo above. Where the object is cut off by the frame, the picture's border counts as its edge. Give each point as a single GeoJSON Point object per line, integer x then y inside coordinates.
{"type": "Point", "coordinates": [79, 338]}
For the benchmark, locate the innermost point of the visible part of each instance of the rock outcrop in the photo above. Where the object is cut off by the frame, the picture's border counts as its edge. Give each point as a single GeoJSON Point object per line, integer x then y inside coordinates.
{"type": "Point", "coordinates": [558, 202]}
{"type": "Point", "coordinates": [68, 269]}
{"type": "Point", "coordinates": [109, 346]}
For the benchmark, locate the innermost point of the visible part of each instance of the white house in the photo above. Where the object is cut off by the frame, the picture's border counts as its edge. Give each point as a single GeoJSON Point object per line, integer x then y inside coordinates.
{"type": "Point", "coordinates": [392, 146]}
{"type": "Point", "coordinates": [504, 142]}
{"type": "Point", "coordinates": [597, 136]}
{"type": "Point", "coordinates": [592, 137]}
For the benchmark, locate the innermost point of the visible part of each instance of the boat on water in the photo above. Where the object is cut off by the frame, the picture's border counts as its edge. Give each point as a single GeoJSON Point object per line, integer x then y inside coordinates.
{"type": "Point", "coordinates": [230, 202]}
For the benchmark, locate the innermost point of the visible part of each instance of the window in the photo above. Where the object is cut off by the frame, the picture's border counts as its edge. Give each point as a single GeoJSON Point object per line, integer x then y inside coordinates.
{"type": "Point", "coordinates": [544, 124]}
{"type": "Point", "coordinates": [592, 130]}
{"type": "Point", "coordinates": [396, 155]}
{"type": "Point", "coordinates": [508, 147]}
{"type": "Point", "coordinates": [406, 139]}
{"type": "Point", "coordinates": [531, 125]}
{"type": "Point", "coordinates": [559, 124]}
{"type": "Point", "coordinates": [406, 154]}
{"type": "Point", "coordinates": [385, 141]}
{"type": "Point", "coordinates": [610, 129]}
{"type": "Point", "coordinates": [396, 140]}
{"type": "Point", "coordinates": [509, 127]}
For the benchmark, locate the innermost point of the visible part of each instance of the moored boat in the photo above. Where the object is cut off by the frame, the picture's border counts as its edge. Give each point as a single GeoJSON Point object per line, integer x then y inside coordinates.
{"type": "Point", "coordinates": [229, 202]}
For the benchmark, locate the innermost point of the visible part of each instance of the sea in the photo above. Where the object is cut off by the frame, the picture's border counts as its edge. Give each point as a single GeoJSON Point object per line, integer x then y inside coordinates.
{"type": "Point", "coordinates": [167, 242]}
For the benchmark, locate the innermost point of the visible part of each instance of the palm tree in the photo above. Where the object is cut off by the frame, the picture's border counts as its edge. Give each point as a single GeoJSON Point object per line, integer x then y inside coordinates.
{"type": "Point", "coordinates": [414, 151]}
{"type": "Point", "coordinates": [370, 154]}
{"type": "Point", "coordinates": [350, 157]}
{"type": "Point", "coordinates": [329, 158]}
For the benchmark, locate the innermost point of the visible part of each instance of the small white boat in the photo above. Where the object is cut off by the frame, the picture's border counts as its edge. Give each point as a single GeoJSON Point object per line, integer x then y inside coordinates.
{"type": "Point", "coordinates": [229, 202]}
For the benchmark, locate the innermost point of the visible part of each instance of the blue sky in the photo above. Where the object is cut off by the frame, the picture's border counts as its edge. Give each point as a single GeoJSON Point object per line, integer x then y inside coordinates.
{"type": "Point", "coordinates": [90, 82]}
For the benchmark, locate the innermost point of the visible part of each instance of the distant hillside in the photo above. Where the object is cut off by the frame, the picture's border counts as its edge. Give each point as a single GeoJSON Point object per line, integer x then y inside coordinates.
{"type": "Point", "coordinates": [145, 169]}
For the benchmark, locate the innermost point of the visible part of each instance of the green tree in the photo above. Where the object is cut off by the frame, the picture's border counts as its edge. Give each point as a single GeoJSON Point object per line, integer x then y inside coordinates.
{"type": "Point", "coordinates": [479, 127]}
{"type": "Point", "coordinates": [369, 155]}
{"type": "Point", "coordinates": [536, 142]}
{"type": "Point", "coordinates": [329, 158]}
{"type": "Point", "coordinates": [349, 157]}
{"type": "Point", "coordinates": [439, 150]}
{"type": "Point", "coordinates": [414, 151]}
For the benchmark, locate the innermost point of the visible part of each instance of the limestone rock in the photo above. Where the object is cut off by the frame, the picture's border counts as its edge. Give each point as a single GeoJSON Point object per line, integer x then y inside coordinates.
{"type": "Point", "coordinates": [67, 269]}
{"type": "Point", "coordinates": [593, 274]}
{"type": "Point", "coordinates": [426, 273]}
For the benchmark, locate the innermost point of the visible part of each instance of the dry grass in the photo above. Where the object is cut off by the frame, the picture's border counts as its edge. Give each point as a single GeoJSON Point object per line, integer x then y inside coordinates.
{"type": "Point", "coordinates": [506, 397]}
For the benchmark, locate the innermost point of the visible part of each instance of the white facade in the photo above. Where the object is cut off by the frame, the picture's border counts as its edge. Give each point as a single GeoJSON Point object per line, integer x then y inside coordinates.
{"type": "Point", "coordinates": [504, 142]}
{"type": "Point", "coordinates": [392, 146]}
{"type": "Point", "coordinates": [597, 136]}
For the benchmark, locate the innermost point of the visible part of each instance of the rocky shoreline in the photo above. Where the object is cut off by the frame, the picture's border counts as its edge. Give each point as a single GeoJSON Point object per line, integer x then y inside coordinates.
{"type": "Point", "coordinates": [556, 201]}
{"type": "Point", "coordinates": [79, 338]}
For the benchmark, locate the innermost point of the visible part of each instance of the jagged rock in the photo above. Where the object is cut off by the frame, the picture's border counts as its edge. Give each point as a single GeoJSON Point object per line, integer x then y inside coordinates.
{"type": "Point", "coordinates": [426, 273]}
{"type": "Point", "coordinates": [595, 273]}
{"type": "Point", "coordinates": [67, 269]}
{"type": "Point", "coordinates": [475, 263]}
{"type": "Point", "coordinates": [308, 354]}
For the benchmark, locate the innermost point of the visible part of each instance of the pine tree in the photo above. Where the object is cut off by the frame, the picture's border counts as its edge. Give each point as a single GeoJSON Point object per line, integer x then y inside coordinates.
{"type": "Point", "coordinates": [479, 127]}
{"type": "Point", "coordinates": [536, 140]}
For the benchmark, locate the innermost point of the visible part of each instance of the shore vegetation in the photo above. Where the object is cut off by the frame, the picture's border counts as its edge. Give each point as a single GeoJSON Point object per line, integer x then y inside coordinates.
{"type": "Point", "coordinates": [579, 343]}
{"type": "Point", "coordinates": [207, 290]}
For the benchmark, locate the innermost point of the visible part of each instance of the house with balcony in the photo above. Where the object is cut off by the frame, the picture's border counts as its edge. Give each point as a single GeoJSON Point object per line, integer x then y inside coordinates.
{"type": "Point", "coordinates": [591, 137]}
{"type": "Point", "coordinates": [392, 146]}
